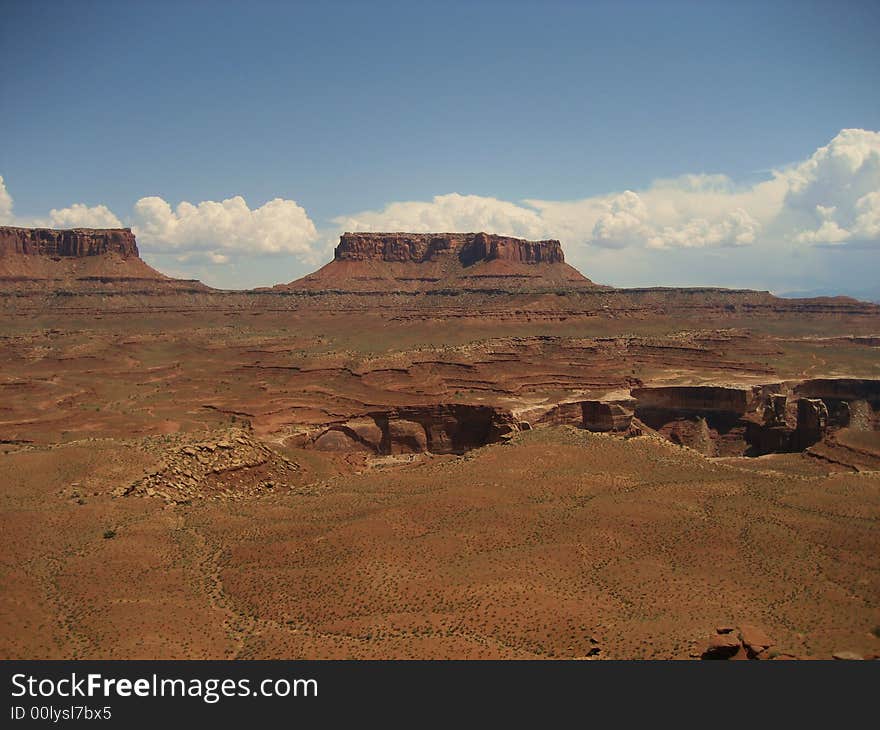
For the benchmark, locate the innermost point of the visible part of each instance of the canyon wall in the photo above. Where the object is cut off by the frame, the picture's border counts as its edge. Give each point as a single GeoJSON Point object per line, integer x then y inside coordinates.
{"type": "Point", "coordinates": [440, 429]}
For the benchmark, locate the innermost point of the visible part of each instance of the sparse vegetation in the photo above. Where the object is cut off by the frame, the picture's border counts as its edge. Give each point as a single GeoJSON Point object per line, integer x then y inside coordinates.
{"type": "Point", "coordinates": [559, 544]}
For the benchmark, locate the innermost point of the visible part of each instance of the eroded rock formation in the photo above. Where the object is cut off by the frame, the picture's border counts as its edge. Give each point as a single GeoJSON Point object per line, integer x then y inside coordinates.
{"type": "Point", "coordinates": [605, 416]}
{"type": "Point", "coordinates": [439, 429]}
{"type": "Point", "coordinates": [695, 398]}
{"type": "Point", "coordinates": [713, 420]}
{"type": "Point", "coordinates": [232, 465]}
{"type": "Point", "coordinates": [812, 422]}
{"type": "Point", "coordinates": [469, 248]}
{"type": "Point", "coordinates": [706, 418]}
{"type": "Point", "coordinates": [745, 642]}
{"type": "Point", "coordinates": [81, 261]}
{"type": "Point", "coordinates": [438, 262]}
{"type": "Point", "coordinates": [76, 242]}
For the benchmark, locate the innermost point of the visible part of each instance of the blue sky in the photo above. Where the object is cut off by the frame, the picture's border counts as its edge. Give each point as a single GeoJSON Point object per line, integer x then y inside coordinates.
{"type": "Point", "coordinates": [349, 108]}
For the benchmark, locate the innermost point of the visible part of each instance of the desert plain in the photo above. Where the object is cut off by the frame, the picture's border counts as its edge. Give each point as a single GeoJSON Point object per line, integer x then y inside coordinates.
{"type": "Point", "coordinates": [438, 446]}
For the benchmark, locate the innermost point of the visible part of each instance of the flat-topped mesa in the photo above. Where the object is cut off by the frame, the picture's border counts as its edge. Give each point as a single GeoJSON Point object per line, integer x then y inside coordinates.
{"type": "Point", "coordinates": [74, 242]}
{"type": "Point", "coordinates": [443, 263]}
{"type": "Point", "coordinates": [470, 248]}
{"type": "Point", "coordinates": [80, 260]}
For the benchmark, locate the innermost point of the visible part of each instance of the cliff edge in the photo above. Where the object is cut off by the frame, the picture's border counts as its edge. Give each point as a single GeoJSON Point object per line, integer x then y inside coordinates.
{"type": "Point", "coordinates": [414, 262]}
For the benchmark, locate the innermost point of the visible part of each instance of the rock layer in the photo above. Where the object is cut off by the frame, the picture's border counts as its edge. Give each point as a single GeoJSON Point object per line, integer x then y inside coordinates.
{"type": "Point", "coordinates": [470, 248]}
{"type": "Point", "coordinates": [75, 242]}
{"type": "Point", "coordinates": [439, 429]}
{"type": "Point", "coordinates": [436, 262]}
{"type": "Point", "coordinates": [80, 261]}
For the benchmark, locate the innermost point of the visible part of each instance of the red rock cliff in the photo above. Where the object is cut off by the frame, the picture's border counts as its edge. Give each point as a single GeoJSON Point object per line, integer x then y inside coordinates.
{"type": "Point", "coordinates": [75, 243]}
{"type": "Point", "coordinates": [80, 260]}
{"type": "Point", "coordinates": [470, 248]}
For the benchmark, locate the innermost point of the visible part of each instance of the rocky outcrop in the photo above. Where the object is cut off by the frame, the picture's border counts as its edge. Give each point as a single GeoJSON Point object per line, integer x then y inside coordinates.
{"type": "Point", "coordinates": [746, 642]}
{"type": "Point", "coordinates": [695, 434]}
{"type": "Point", "coordinates": [774, 411]}
{"type": "Point", "coordinates": [706, 418]}
{"type": "Point", "coordinates": [756, 420]}
{"type": "Point", "coordinates": [233, 465]}
{"type": "Point", "coordinates": [592, 415]}
{"type": "Point", "coordinates": [46, 262]}
{"type": "Point", "coordinates": [850, 401]}
{"type": "Point", "coordinates": [841, 389]}
{"type": "Point", "coordinates": [442, 263]}
{"type": "Point", "coordinates": [469, 248]}
{"type": "Point", "coordinates": [698, 398]}
{"type": "Point", "coordinates": [570, 413]}
{"type": "Point", "coordinates": [605, 416]}
{"type": "Point", "coordinates": [439, 429]}
{"type": "Point", "coordinates": [776, 434]}
{"type": "Point", "coordinates": [76, 242]}
{"type": "Point", "coordinates": [812, 422]}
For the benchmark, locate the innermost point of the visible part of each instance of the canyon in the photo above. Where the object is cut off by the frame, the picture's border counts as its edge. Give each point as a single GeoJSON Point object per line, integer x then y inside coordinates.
{"type": "Point", "coordinates": [437, 445]}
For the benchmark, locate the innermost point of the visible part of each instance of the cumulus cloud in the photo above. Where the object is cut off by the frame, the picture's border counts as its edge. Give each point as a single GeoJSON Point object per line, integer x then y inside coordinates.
{"type": "Point", "coordinates": [79, 215]}
{"type": "Point", "coordinates": [5, 203]}
{"type": "Point", "coordinates": [209, 232]}
{"type": "Point", "coordinates": [449, 213]}
{"type": "Point", "coordinates": [225, 228]}
{"type": "Point", "coordinates": [834, 196]}
{"type": "Point", "coordinates": [831, 199]}
{"type": "Point", "coordinates": [693, 211]}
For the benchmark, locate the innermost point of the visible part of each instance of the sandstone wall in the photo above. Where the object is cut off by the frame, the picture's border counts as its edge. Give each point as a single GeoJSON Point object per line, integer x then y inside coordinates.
{"type": "Point", "coordinates": [694, 398]}
{"type": "Point", "coordinates": [422, 247]}
{"type": "Point", "coordinates": [440, 429]}
{"type": "Point", "coordinates": [76, 242]}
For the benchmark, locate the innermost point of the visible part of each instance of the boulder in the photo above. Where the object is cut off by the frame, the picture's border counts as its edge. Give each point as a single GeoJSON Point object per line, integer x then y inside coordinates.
{"type": "Point", "coordinates": [754, 639]}
{"type": "Point", "coordinates": [722, 646]}
{"type": "Point", "coordinates": [847, 656]}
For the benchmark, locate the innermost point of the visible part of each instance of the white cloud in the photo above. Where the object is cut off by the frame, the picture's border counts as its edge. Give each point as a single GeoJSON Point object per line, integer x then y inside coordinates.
{"type": "Point", "coordinates": [623, 223]}
{"type": "Point", "coordinates": [830, 198]}
{"type": "Point", "coordinates": [449, 213]}
{"type": "Point", "coordinates": [5, 203]}
{"type": "Point", "coordinates": [867, 223]}
{"type": "Point", "coordinates": [693, 211]}
{"type": "Point", "coordinates": [834, 196]}
{"type": "Point", "coordinates": [209, 232]}
{"type": "Point", "coordinates": [225, 228]}
{"type": "Point", "coordinates": [79, 215]}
